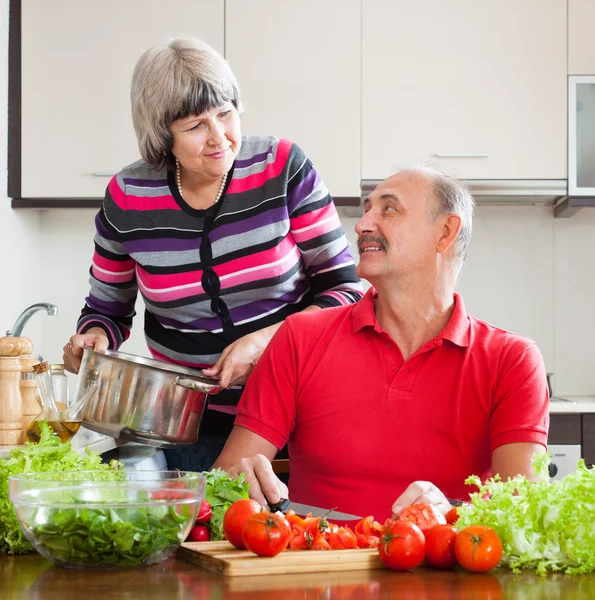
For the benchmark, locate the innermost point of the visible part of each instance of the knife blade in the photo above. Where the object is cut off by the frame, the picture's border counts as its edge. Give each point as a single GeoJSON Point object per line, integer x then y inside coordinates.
{"type": "Point", "coordinates": [303, 509]}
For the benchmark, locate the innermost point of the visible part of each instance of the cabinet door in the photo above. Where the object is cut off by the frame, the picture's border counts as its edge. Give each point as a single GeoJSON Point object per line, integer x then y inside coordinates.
{"type": "Point", "coordinates": [77, 65]}
{"type": "Point", "coordinates": [298, 66]}
{"type": "Point", "coordinates": [589, 439]}
{"type": "Point", "coordinates": [477, 88]}
{"type": "Point", "coordinates": [581, 47]}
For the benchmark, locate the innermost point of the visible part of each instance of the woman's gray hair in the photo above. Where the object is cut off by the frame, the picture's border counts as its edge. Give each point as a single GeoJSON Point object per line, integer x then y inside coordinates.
{"type": "Point", "coordinates": [173, 81]}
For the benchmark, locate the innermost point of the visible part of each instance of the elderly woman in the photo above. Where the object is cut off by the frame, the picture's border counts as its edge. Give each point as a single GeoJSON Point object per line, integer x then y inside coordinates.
{"type": "Point", "coordinates": [224, 235]}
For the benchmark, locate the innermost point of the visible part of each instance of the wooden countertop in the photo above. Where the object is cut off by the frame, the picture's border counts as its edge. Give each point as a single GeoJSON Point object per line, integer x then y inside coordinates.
{"type": "Point", "coordinates": [31, 577]}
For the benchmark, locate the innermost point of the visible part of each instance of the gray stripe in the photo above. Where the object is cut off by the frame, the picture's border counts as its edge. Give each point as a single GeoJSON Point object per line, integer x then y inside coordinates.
{"type": "Point", "coordinates": [209, 359]}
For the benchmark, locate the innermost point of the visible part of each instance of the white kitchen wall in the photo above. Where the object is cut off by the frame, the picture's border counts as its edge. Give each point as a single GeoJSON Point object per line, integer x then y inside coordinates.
{"type": "Point", "coordinates": [526, 272]}
{"type": "Point", "coordinates": [19, 232]}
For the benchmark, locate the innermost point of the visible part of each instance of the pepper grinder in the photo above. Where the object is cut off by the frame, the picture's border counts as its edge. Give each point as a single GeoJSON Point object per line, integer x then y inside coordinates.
{"type": "Point", "coordinates": [28, 385]}
{"type": "Point", "coordinates": [11, 402]}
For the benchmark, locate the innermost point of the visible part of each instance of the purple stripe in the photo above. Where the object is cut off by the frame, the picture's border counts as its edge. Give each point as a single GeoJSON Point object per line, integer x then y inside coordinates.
{"type": "Point", "coordinates": [115, 333]}
{"type": "Point", "coordinates": [342, 257]}
{"type": "Point", "coordinates": [102, 231]}
{"type": "Point", "coordinates": [275, 215]}
{"type": "Point", "coordinates": [149, 183]}
{"type": "Point", "coordinates": [302, 190]}
{"type": "Point", "coordinates": [242, 164]}
{"type": "Point", "coordinates": [115, 309]}
{"type": "Point", "coordinates": [161, 245]}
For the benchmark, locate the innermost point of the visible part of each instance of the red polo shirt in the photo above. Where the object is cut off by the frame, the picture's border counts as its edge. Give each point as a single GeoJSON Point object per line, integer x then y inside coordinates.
{"type": "Point", "coordinates": [362, 424]}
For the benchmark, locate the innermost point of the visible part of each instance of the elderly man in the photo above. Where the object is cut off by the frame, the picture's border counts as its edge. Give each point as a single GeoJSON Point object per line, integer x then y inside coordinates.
{"type": "Point", "coordinates": [399, 398]}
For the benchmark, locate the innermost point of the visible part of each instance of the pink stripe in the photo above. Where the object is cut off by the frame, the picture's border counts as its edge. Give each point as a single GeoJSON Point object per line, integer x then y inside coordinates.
{"type": "Point", "coordinates": [340, 297]}
{"type": "Point", "coordinates": [318, 230]}
{"type": "Point", "coordinates": [254, 260]}
{"type": "Point", "coordinates": [265, 273]}
{"type": "Point", "coordinates": [112, 265]}
{"type": "Point", "coordinates": [311, 217]}
{"type": "Point", "coordinates": [189, 290]}
{"type": "Point", "coordinates": [111, 278]}
{"type": "Point", "coordinates": [237, 186]}
{"type": "Point", "coordinates": [130, 202]}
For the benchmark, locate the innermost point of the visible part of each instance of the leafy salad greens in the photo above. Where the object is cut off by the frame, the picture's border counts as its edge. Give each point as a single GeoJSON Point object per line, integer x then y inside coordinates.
{"type": "Point", "coordinates": [50, 455]}
{"type": "Point", "coordinates": [221, 492]}
{"type": "Point", "coordinates": [544, 525]}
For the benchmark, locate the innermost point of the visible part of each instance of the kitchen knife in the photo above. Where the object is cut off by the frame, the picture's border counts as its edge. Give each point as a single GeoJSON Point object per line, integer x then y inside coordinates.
{"type": "Point", "coordinates": [303, 509]}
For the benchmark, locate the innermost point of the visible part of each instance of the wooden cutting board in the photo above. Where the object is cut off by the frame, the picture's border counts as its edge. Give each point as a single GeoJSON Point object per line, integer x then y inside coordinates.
{"type": "Point", "coordinates": [223, 558]}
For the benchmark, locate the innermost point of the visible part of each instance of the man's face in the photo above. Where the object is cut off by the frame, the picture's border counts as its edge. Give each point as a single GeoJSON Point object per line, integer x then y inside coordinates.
{"type": "Point", "coordinates": [396, 236]}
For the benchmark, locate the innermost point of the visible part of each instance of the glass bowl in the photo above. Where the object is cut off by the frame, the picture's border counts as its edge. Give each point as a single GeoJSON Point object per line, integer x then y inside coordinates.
{"type": "Point", "coordinates": [82, 520]}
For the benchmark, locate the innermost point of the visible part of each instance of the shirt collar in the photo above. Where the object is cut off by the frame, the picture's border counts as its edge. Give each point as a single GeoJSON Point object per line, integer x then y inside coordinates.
{"type": "Point", "coordinates": [456, 330]}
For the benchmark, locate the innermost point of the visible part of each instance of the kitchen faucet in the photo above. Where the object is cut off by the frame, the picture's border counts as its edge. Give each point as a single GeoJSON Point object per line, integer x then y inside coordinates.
{"type": "Point", "coordinates": [17, 328]}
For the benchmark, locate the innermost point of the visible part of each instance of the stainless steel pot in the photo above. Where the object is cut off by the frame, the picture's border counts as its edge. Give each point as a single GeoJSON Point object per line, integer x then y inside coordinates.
{"type": "Point", "coordinates": [142, 400]}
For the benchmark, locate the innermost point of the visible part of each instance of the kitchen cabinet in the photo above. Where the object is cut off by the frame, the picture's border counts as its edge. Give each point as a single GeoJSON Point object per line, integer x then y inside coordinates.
{"type": "Point", "coordinates": [581, 48]}
{"type": "Point", "coordinates": [76, 68]}
{"type": "Point", "coordinates": [573, 429]}
{"type": "Point", "coordinates": [477, 88]}
{"type": "Point", "coordinates": [298, 67]}
{"type": "Point", "coordinates": [589, 438]}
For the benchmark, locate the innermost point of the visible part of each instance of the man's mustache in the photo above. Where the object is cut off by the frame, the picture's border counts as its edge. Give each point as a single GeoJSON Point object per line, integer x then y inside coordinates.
{"type": "Point", "coordinates": [376, 239]}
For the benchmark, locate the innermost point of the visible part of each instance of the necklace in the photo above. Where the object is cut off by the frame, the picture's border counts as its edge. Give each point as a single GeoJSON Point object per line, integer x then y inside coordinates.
{"type": "Point", "coordinates": [179, 183]}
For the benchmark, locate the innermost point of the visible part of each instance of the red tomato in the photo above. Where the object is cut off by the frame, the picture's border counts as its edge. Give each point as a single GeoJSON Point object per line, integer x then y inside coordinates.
{"type": "Point", "coordinates": [266, 533]}
{"type": "Point", "coordinates": [341, 538]}
{"type": "Point", "coordinates": [440, 546]}
{"type": "Point", "coordinates": [478, 548]}
{"type": "Point", "coordinates": [199, 533]}
{"type": "Point", "coordinates": [402, 546]}
{"type": "Point", "coordinates": [452, 516]}
{"type": "Point", "coordinates": [235, 517]}
{"type": "Point", "coordinates": [425, 516]}
{"type": "Point", "coordinates": [298, 531]}
{"type": "Point", "coordinates": [368, 533]}
{"type": "Point", "coordinates": [204, 512]}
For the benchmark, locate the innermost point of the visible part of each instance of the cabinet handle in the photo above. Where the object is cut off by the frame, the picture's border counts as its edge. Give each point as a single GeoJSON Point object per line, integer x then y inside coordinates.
{"type": "Point", "coordinates": [461, 155]}
{"type": "Point", "coordinates": [103, 174]}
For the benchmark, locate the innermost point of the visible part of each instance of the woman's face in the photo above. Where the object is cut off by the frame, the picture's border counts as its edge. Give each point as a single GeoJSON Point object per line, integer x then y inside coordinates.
{"type": "Point", "coordinates": [207, 144]}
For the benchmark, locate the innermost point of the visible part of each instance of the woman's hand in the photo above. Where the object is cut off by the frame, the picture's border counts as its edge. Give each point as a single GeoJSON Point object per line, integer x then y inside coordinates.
{"type": "Point", "coordinates": [237, 360]}
{"type": "Point", "coordinates": [421, 492]}
{"type": "Point", "coordinates": [95, 338]}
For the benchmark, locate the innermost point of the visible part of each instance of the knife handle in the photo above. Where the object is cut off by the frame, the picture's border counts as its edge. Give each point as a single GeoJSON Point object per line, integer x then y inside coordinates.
{"type": "Point", "coordinates": [282, 505]}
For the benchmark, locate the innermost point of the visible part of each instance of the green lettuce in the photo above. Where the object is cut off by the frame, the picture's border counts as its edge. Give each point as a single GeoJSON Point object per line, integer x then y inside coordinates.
{"type": "Point", "coordinates": [49, 455]}
{"type": "Point", "coordinates": [222, 491]}
{"type": "Point", "coordinates": [544, 525]}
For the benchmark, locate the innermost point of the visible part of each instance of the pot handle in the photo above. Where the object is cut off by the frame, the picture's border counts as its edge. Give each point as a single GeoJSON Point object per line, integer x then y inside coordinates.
{"type": "Point", "coordinates": [198, 386]}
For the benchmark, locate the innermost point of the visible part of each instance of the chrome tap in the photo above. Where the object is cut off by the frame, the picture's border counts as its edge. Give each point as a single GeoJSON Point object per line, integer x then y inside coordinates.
{"type": "Point", "coordinates": [17, 328]}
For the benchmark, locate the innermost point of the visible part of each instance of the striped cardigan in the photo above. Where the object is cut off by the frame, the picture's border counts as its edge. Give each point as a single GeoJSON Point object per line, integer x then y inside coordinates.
{"type": "Point", "coordinates": [272, 246]}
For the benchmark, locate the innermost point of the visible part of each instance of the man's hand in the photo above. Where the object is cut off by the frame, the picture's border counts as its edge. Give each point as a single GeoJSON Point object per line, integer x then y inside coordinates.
{"type": "Point", "coordinates": [420, 492]}
{"type": "Point", "coordinates": [265, 486]}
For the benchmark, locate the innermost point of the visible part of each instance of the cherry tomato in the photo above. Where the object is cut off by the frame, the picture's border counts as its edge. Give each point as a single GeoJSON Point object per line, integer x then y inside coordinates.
{"type": "Point", "coordinates": [402, 545]}
{"type": "Point", "coordinates": [199, 533]}
{"type": "Point", "coordinates": [440, 546]}
{"type": "Point", "coordinates": [368, 532]}
{"type": "Point", "coordinates": [205, 512]}
{"type": "Point", "coordinates": [266, 533]}
{"type": "Point", "coordinates": [235, 517]}
{"type": "Point", "coordinates": [425, 516]}
{"type": "Point", "coordinates": [478, 548]}
{"type": "Point", "coordinates": [452, 516]}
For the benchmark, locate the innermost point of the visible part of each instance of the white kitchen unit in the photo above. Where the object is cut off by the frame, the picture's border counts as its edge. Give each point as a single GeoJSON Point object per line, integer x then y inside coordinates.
{"type": "Point", "coordinates": [77, 63]}
{"type": "Point", "coordinates": [581, 135]}
{"type": "Point", "coordinates": [299, 70]}
{"type": "Point", "coordinates": [581, 48]}
{"type": "Point", "coordinates": [476, 88]}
